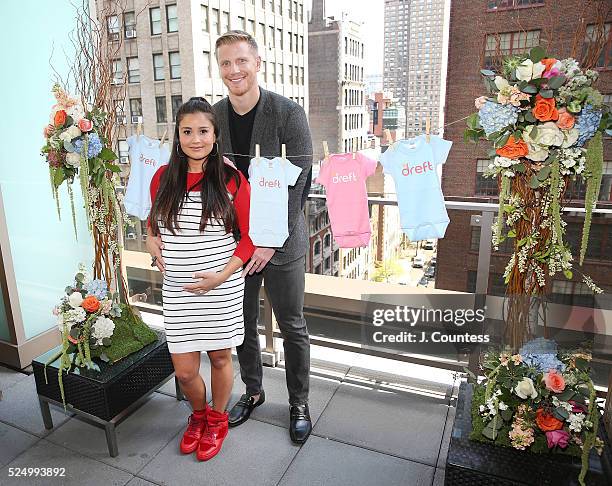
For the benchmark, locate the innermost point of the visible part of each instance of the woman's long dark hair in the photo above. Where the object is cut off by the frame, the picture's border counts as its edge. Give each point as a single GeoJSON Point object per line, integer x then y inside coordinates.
{"type": "Point", "coordinates": [216, 202]}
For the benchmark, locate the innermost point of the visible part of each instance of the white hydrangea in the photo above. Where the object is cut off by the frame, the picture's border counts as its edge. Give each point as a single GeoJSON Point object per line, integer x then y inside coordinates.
{"type": "Point", "coordinates": [576, 421]}
{"type": "Point", "coordinates": [74, 316]}
{"type": "Point", "coordinates": [102, 328]}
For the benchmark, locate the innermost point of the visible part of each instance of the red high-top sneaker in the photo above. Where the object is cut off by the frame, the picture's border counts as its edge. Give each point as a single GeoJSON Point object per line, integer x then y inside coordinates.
{"type": "Point", "coordinates": [213, 436]}
{"type": "Point", "coordinates": [193, 434]}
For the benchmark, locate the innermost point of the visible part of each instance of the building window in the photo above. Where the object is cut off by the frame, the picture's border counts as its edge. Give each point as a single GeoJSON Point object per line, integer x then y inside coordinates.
{"type": "Point", "coordinates": [117, 71]}
{"type": "Point", "coordinates": [158, 67]}
{"type": "Point", "coordinates": [273, 72]}
{"type": "Point", "coordinates": [271, 37]}
{"type": "Point", "coordinates": [327, 241]}
{"type": "Point", "coordinates": [251, 27]}
{"type": "Point", "coordinates": [177, 101]}
{"type": "Point", "coordinates": [605, 191]}
{"type": "Point", "coordinates": [204, 11]}
{"type": "Point", "coordinates": [595, 37]}
{"type": "Point", "coordinates": [175, 65]}
{"type": "Point", "coordinates": [155, 20]}
{"type": "Point", "coordinates": [129, 25]}
{"type": "Point", "coordinates": [242, 23]}
{"type": "Point", "coordinates": [281, 73]}
{"type": "Point", "coordinates": [290, 74]}
{"type": "Point", "coordinates": [133, 70]}
{"type": "Point", "coordinates": [136, 106]}
{"type": "Point", "coordinates": [485, 186]}
{"type": "Point", "coordinates": [279, 39]}
{"type": "Point", "coordinates": [508, 44]}
{"type": "Point", "coordinates": [507, 4]}
{"type": "Point", "coordinates": [261, 34]}
{"type": "Point", "coordinates": [216, 21]}
{"type": "Point", "coordinates": [171, 18]}
{"type": "Point", "coordinates": [160, 108]}
{"type": "Point", "coordinates": [123, 148]}
{"type": "Point", "coordinates": [302, 75]}
{"type": "Point", "coordinates": [317, 248]}
{"type": "Point", "coordinates": [327, 262]}
{"type": "Point", "coordinates": [207, 72]}
{"type": "Point", "coordinates": [112, 27]}
{"type": "Point", "coordinates": [226, 22]}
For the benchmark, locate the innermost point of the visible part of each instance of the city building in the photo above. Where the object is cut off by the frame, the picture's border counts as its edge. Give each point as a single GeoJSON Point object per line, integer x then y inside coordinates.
{"type": "Point", "coordinates": [512, 27]}
{"type": "Point", "coordinates": [336, 83]}
{"type": "Point", "coordinates": [385, 114]}
{"type": "Point", "coordinates": [415, 42]}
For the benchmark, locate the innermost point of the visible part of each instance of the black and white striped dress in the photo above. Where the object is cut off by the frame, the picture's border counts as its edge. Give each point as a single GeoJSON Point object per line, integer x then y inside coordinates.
{"type": "Point", "coordinates": [213, 320]}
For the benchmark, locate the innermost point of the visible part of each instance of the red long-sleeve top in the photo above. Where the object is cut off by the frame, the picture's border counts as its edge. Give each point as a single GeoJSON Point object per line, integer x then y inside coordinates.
{"type": "Point", "coordinates": [242, 200]}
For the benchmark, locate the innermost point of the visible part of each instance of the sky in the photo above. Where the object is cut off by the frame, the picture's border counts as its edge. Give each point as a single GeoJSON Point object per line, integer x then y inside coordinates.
{"type": "Point", "coordinates": [371, 14]}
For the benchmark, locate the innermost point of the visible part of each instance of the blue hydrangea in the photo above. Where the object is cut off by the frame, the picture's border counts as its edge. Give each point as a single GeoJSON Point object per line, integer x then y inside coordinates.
{"type": "Point", "coordinates": [587, 123]}
{"type": "Point", "coordinates": [97, 288]}
{"type": "Point", "coordinates": [494, 117]}
{"type": "Point", "coordinates": [94, 146]}
{"type": "Point", "coordinates": [541, 354]}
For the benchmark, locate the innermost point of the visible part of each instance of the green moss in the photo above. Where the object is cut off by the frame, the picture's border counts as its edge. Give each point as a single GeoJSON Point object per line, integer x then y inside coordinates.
{"type": "Point", "coordinates": [131, 334]}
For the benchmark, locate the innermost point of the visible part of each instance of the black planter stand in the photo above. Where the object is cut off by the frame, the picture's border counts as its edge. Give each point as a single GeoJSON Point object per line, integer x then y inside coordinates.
{"type": "Point", "coordinates": [108, 396]}
{"type": "Point", "coordinates": [471, 463]}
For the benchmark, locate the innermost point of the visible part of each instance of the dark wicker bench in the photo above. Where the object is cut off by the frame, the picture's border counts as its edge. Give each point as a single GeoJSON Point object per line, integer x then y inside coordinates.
{"type": "Point", "coordinates": [478, 464]}
{"type": "Point", "coordinates": [108, 396]}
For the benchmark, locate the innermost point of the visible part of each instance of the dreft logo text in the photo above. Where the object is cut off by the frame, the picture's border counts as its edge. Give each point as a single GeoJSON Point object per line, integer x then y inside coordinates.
{"type": "Point", "coordinates": [418, 169]}
{"type": "Point", "coordinates": [272, 183]}
{"type": "Point", "coordinates": [350, 177]}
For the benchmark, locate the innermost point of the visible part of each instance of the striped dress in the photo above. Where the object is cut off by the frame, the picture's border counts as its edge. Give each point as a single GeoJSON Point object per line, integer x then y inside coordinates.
{"type": "Point", "coordinates": [214, 320]}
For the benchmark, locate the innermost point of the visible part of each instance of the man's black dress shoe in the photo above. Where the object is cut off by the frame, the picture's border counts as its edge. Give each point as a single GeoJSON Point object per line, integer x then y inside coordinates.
{"type": "Point", "coordinates": [300, 425]}
{"type": "Point", "coordinates": [241, 412]}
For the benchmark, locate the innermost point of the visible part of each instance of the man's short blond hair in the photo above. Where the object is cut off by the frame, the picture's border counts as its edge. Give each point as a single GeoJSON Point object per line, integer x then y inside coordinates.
{"type": "Point", "coordinates": [233, 36]}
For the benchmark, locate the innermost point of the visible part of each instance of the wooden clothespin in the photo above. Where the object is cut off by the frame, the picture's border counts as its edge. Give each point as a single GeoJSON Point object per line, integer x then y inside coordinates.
{"type": "Point", "coordinates": [388, 136]}
{"type": "Point", "coordinates": [325, 150]}
{"type": "Point", "coordinates": [161, 142]}
{"type": "Point", "coordinates": [257, 154]}
{"type": "Point", "coordinates": [283, 152]}
{"type": "Point", "coordinates": [427, 129]}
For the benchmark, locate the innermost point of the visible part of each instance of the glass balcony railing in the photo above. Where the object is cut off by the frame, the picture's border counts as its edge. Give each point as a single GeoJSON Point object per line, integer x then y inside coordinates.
{"type": "Point", "coordinates": [342, 285]}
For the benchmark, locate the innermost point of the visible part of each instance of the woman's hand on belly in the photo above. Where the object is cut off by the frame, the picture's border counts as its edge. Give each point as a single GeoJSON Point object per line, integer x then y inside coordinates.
{"type": "Point", "coordinates": [208, 281]}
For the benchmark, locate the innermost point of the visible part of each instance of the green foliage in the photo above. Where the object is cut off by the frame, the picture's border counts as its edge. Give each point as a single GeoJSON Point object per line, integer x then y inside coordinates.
{"type": "Point", "coordinates": [594, 168]}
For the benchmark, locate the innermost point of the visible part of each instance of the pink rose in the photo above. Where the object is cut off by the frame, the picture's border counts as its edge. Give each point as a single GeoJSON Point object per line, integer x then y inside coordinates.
{"type": "Point", "coordinates": [551, 73]}
{"type": "Point", "coordinates": [554, 381]}
{"type": "Point", "coordinates": [480, 101]}
{"type": "Point", "coordinates": [557, 438]}
{"type": "Point", "coordinates": [85, 125]}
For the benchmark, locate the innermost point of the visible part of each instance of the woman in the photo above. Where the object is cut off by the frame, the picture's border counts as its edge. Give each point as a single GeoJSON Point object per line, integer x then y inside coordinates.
{"type": "Point", "coordinates": [200, 203]}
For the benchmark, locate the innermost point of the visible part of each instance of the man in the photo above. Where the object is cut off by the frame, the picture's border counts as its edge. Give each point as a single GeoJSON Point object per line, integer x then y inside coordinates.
{"type": "Point", "coordinates": [251, 115]}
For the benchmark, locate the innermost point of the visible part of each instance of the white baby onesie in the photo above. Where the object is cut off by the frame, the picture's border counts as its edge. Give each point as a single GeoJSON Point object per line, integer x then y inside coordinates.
{"type": "Point", "coordinates": [146, 156]}
{"type": "Point", "coordinates": [269, 179]}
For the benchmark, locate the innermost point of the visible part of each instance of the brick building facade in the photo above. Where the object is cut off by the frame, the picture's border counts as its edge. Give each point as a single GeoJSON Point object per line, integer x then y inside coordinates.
{"type": "Point", "coordinates": [477, 30]}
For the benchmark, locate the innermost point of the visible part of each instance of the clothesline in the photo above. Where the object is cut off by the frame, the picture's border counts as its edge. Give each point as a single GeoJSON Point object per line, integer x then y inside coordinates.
{"type": "Point", "coordinates": [310, 155]}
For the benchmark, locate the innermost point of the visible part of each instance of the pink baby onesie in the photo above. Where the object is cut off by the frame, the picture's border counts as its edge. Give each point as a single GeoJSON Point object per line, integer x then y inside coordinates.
{"type": "Point", "coordinates": [344, 179]}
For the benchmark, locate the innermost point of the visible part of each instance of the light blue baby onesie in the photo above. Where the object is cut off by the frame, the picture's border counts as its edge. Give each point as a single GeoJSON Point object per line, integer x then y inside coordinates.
{"type": "Point", "coordinates": [412, 164]}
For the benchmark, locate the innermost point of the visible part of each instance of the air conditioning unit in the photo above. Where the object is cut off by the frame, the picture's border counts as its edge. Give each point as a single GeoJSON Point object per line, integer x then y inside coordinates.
{"type": "Point", "coordinates": [130, 33]}
{"type": "Point", "coordinates": [124, 160]}
{"type": "Point", "coordinates": [136, 119]}
{"type": "Point", "coordinates": [113, 36]}
{"type": "Point", "coordinates": [121, 119]}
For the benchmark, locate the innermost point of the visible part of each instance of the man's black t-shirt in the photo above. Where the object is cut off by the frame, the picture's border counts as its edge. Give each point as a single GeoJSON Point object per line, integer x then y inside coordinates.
{"type": "Point", "coordinates": [241, 129]}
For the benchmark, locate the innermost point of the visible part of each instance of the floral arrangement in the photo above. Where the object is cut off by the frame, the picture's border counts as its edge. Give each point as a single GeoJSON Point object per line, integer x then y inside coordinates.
{"type": "Point", "coordinates": [539, 399]}
{"type": "Point", "coordinates": [87, 316]}
{"type": "Point", "coordinates": [545, 122]}
{"type": "Point", "coordinates": [72, 143]}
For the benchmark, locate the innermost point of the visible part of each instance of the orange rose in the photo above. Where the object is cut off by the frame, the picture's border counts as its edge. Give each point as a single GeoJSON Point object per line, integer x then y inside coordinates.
{"type": "Point", "coordinates": [513, 149]}
{"type": "Point", "coordinates": [548, 62]}
{"type": "Point", "coordinates": [544, 109]}
{"type": "Point", "coordinates": [547, 422]}
{"type": "Point", "coordinates": [59, 118]}
{"type": "Point", "coordinates": [566, 120]}
{"type": "Point", "coordinates": [90, 304]}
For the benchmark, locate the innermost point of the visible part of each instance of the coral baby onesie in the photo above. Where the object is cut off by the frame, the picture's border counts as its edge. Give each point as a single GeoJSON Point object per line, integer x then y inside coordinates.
{"type": "Point", "coordinates": [270, 178]}
{"type": "Point", "coordinates": [347, 197]}
{"type": "Point", "coordinates": [412, 164]}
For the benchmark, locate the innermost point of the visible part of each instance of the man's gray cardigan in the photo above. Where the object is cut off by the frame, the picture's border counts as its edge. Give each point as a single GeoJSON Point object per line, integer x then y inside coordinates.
{"type": "Point", "coordinates": [279, 120]}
